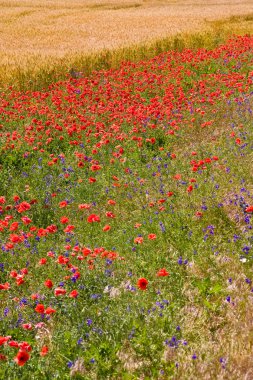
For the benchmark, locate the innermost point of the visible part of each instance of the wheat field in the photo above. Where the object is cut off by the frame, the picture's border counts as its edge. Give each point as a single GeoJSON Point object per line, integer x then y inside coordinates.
{"type": "Point", "coordinates": [41, 32]}
{"type": "Point", "coordinates": [50, 27]}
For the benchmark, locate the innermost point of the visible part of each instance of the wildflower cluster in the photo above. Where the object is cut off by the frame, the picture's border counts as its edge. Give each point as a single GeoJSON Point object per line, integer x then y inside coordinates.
{"type": "Point", "coordinates": [120, 196]}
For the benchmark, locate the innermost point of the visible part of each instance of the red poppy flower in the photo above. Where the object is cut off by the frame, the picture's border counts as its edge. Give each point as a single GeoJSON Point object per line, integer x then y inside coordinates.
{"type": "Point", "coordinates": [33, 201]}
{"type": "Point", "coordinates": [64, 220]}
{"type": "Point", "coordinates": [27, 326]}
{"type": "Point", "coordinates": [13, 273]}
{"type": "Point", "coordinates": [84, 206]}
{"type": "Point", "coordinates": [26, 220]}
{"type": "Point", "coordinates": [62, 260]}
{"type": "Point", "coordinates": [14, 226]}
{"type": "Point", "coordinates": [51, 229]}
{"type": "Point", "coordinates": [24, 206]}
{"type": "Point", "coordinates": [25, 346]}
{"type": "Point", "coordinates": [48, 284]}
{"type": "Point", "coordinates": [19, 280]}
{"type": "Point", "coordinates": [59, 292]}
{"type": "Point", "coordinates": [162, 273]}
{"type": "Point", "coordinates": [86, 251]}
{"type": "Point", "coordinates": [111, 202]}
{"type": "Point", "coordinates": [21, 358]}
{"type": "Point", "coordinates": [93, 218]}
{"type": "Point", "coordinates": [63, 204]}
{"type": "Point", "coordinates": [4, 339]}
{"type": "Point", "coordinates": [249, 209]}
{"type": "Point", "coordinates": [110, 214]}
{"type": "Point", "coordinates": [152, 236]}
{"type": "Point", "coordinates": [49, 310]}
{"type": "Point", "coordinates": [73, 294]}
{"type": "Point", "coordinates": [16, 238]}
{"type": "Point", "coordinates": [44, 351]}
{"type": "Point", "coordinates": [2, 200]}
{"type": "Point", "coordinates": [43, 261]}
{"type": "Point", "coordinates": [142, 283]}
{"type": "Point", "coordinates": [5, 286]}
{"type": "Point", "coordinates": [13, 343]}
{"type": "Point", "coordinates": [40, 308]}
{"type": "Point", "coordinates": [138, 240]}
{"type": "Point", "coordinates": [95, 167]}
{"type": "Point", "coordinates": [69, 228]}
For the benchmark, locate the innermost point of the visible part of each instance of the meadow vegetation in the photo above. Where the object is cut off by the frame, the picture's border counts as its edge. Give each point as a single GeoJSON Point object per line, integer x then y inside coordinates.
{"type": "Point", "coordinates": [126, 201]}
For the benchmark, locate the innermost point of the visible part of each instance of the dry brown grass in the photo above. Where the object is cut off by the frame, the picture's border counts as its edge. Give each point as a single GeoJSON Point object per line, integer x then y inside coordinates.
{"type": "Point", "coordinates": [226, 333]}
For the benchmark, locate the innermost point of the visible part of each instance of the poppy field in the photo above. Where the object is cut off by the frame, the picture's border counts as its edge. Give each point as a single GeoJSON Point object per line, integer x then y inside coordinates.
{"type": "Point", "coordinates": [126, 203]}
